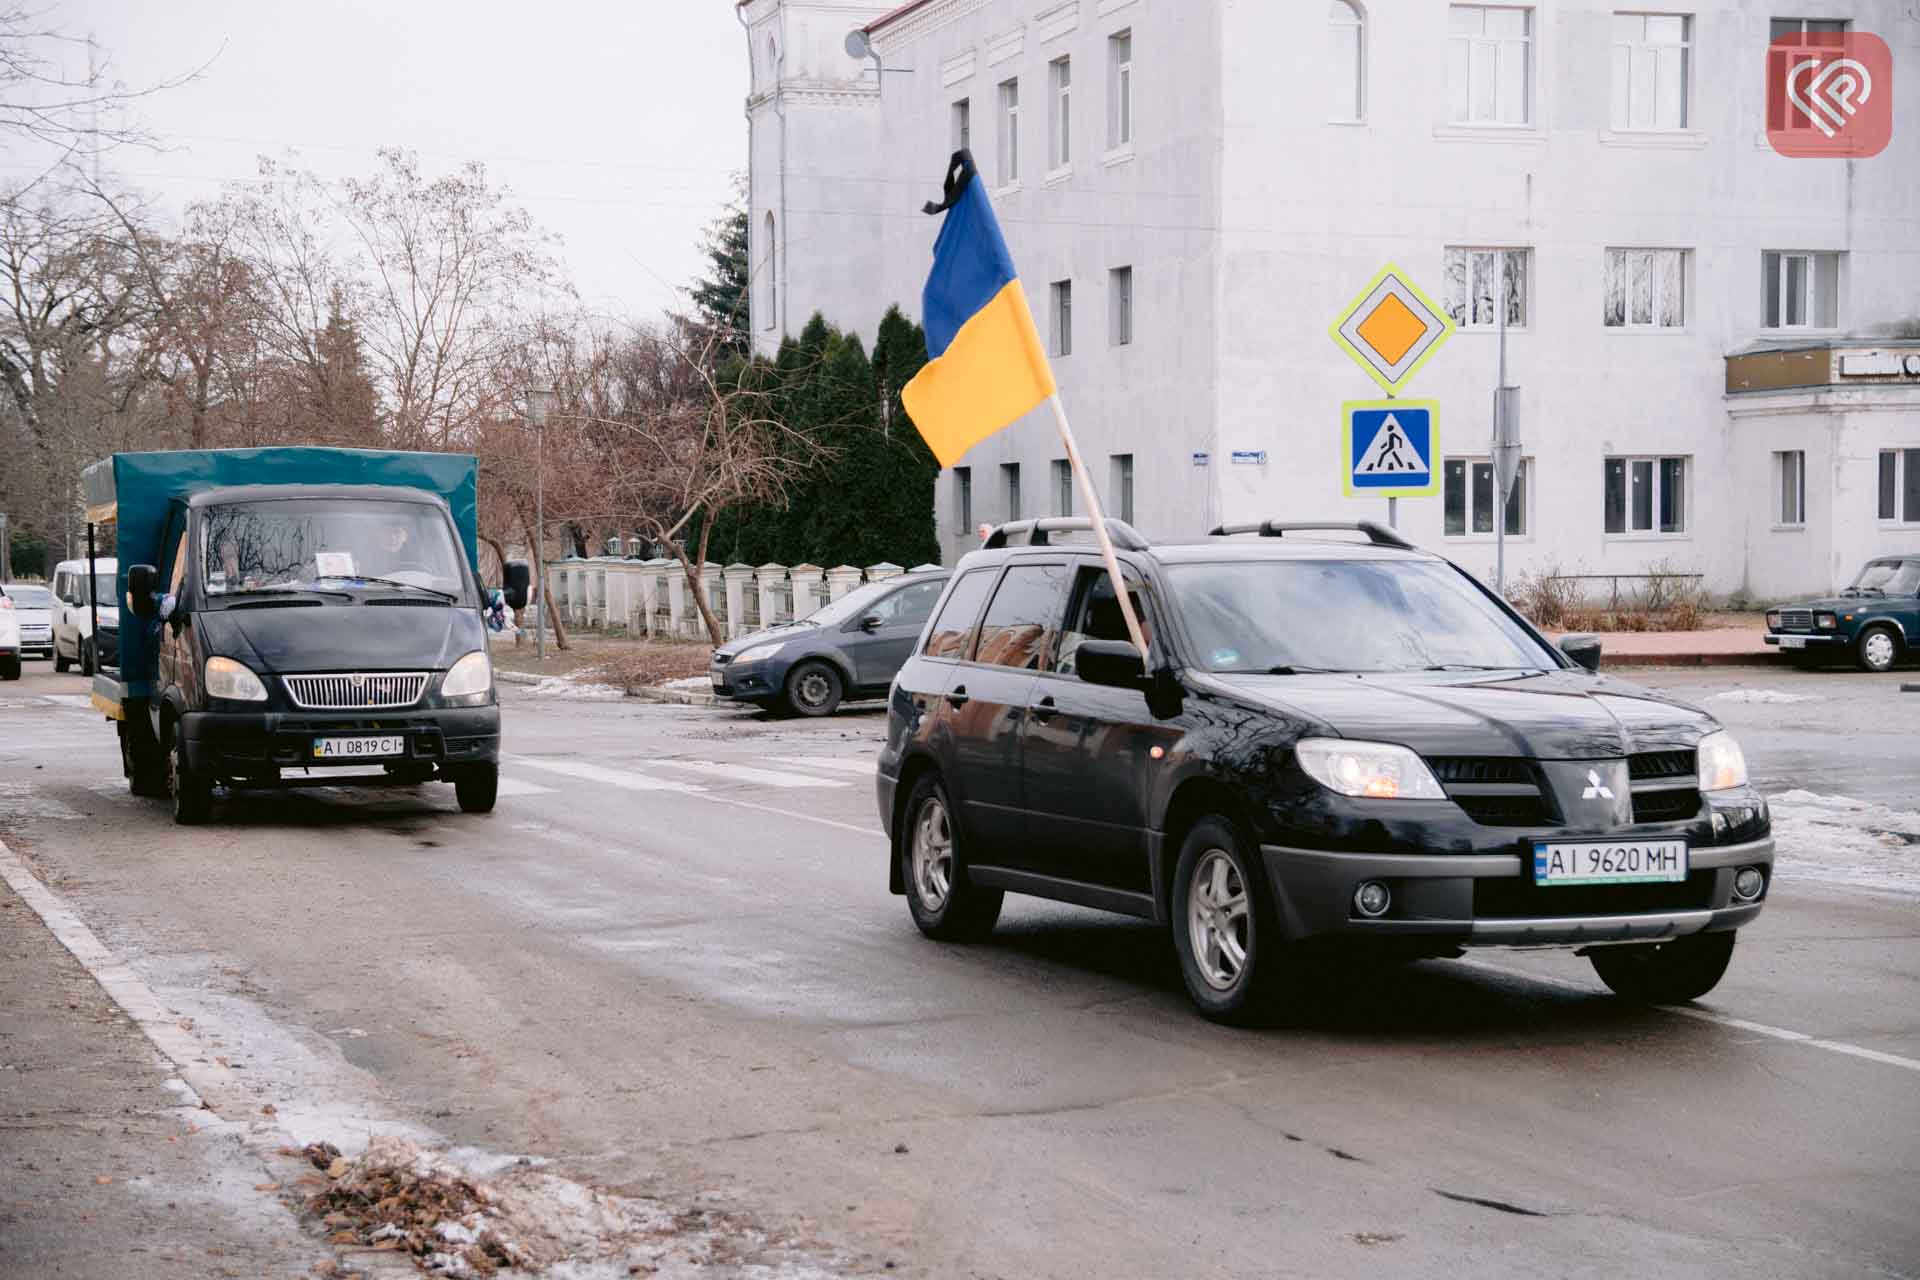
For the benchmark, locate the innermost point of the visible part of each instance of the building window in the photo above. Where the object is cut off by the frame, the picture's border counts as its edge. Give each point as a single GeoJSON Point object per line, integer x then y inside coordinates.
{"type": "Point", "coordinates": [1652, 70]}
{"type": "Point", "coordinates": [1802, 290]}
{"type": "Point", "coordinates": [1490, 64]}
{"type": "Point", "coordinates": [1646, 495]}
{"type": "Point", "coordinates": [1062, 291]}
{"type": "Point", "coordinates": [1121, 468]}
{"type": "Point", "coordinates": [1062, 487]}
{"type": "Point", "coordinates": [1468, 497]}
{"type": "Point", "coordinates": [1009, 132]}
{"type": "Point", "coordinates": [963, 125]}
{"type": "Point", "coordinates": [1900, 485]}
{"type": "Point", "coordinates": [1060, 113]}
{"type": "Point", "coordinates": [1790, 487]}
{"type": "Point", "coordinates": [1474, 283]}
{"type": "Point", "coordinates": [1120, 90]}
{"type": "Point", "coordinates": [963, 499]}
{"type": "Point", "coordinates": [1805, 32]}
{"type": "Point", "coordinates": [1346, 63]}
{"type": "Point", "coordinates": [1120, 306]}
{"type": "Point", "coordinates": [1010, 488]}
{"type": "Point", "coordinates": [1646, 288]}
{"type": "Point", "coordinates": [771, 289]}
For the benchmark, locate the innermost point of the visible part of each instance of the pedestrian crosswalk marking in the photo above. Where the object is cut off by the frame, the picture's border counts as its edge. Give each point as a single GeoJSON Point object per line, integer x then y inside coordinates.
{"type": "Point", "coordinates": [625, 779]}
{"type": "Point", "coordinates": [746, 773]}
{"type": "Point", "coordinates": [516, 787]}
{"type": "Point", "coordinates": [862, 766]}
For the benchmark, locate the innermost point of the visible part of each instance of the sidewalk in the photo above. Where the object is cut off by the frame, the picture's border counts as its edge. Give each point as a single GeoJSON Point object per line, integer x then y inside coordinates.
{"type": "Point", "coordinates": [1720, 647]}
{"type": "Point", "coordinates": [104, 1170]}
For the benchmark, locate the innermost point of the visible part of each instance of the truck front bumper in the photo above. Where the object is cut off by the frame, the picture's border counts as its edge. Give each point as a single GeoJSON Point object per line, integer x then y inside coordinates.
{"type": "Point", "coordinates": [253, 747]}
{"type": "Point", "coordinates": [1483, 899]}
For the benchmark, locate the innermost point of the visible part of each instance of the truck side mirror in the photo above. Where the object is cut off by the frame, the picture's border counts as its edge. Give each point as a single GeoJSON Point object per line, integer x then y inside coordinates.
{"type": "Point", "coordinates": [140, 581]}
{"type": "Point", "coordinates": [515, 579]}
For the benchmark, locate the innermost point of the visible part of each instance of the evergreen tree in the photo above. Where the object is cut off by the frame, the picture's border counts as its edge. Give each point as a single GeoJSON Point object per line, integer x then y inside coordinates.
{"type": "Point", "coordinates": [720, 296]}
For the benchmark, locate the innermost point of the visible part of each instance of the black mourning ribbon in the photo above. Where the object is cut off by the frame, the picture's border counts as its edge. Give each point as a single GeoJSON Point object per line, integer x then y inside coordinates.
{"type": "Point", "coordinates": [960, 172]}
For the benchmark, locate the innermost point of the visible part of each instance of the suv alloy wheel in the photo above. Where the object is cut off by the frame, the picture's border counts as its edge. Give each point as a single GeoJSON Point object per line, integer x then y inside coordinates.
{"type": "Point", "coordinates": [1224, 925]}
{"type": "Point", "coordinates": [945, 905]}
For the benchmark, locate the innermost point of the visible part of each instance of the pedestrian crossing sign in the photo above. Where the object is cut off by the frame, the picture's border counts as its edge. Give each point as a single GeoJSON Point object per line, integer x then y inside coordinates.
{"type": "Point", "coordinates": [1390, 448]}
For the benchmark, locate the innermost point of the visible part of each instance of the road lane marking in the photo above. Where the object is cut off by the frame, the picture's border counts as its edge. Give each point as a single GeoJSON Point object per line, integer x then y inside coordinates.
{"type": "Point", "coordinates": [81, 700]}
{"type": "Point", "coordinates": [516, 787]}
{"type": "Point", "coordinates": [1720, 1019]}
{"type": "Point", "coordinates": [860, 766]}
{"type": "Point", "coordinates": [624, 779]}
{"type": "Point", "coordinates": [746, 773]}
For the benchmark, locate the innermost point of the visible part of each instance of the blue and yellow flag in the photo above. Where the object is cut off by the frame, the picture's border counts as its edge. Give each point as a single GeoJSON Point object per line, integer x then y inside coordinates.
{"type": "Point", "coordinates": [985, 362]}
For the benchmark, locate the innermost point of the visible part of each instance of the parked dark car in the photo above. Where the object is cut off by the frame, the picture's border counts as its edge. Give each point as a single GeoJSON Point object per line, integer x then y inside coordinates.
{"type": "Point", "coordinates": [850, 648]}
{"type": "Point", "coordinates": [1334, 741]}
{"type": "Point", "coordinates": [1875, 622]}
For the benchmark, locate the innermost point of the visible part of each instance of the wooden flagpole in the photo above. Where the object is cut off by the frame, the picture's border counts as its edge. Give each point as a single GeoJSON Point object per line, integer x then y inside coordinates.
{"type": "Point", "coordinates": [1092, 501]}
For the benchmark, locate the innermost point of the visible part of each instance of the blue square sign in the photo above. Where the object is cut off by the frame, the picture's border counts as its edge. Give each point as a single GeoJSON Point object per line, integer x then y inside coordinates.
{"type": "Point", "coordinates": [1390, 448]}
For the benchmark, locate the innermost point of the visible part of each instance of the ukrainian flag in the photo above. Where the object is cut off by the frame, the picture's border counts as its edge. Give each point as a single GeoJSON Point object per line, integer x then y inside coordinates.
{"type": "Point", "coordinates": [985, 362]}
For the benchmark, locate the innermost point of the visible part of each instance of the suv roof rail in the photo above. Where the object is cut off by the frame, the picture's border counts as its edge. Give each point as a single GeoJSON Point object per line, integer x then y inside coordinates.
{"type": "Point", "coordinates": [1123, 534]}
{"type": "Point", "coordinates": [1376, 534]}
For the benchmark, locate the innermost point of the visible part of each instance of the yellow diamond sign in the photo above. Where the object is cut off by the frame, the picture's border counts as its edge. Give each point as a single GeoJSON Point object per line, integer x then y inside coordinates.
{"type": "Point", "coordinates": [1391, 328]}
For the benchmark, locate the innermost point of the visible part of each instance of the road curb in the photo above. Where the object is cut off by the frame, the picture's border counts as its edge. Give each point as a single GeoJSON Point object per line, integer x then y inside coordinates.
{"type": "Point", "coordinates": [516, 677]}
{"type": "Point", "coordinates": [679, 697]}
{"type": "Point", "coordinates": [1608, 660]}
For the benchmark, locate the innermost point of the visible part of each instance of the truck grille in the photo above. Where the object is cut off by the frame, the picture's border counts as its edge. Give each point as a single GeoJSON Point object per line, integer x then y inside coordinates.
{"type": "Point", "coordinates": [357, 690]}
{"type": "Point", "coordinates": [1796, 619]}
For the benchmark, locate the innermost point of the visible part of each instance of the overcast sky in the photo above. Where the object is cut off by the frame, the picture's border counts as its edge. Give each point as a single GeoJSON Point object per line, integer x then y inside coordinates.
{"type": "Point", "coordinates": [617, 123]}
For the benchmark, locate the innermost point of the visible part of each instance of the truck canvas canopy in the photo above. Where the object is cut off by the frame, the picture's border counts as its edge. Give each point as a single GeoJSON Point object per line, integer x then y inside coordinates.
{"type": "Point", "coordinates": [135, 490]}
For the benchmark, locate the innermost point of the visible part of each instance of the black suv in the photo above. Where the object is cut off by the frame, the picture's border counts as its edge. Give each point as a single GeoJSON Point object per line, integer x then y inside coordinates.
{"type": "Point", "coordinates": [1333, 740]}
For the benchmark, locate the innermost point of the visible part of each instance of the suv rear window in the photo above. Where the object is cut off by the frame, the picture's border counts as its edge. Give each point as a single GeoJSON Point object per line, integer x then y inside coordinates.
{"type": "Point", "coordinates": [1347, 615]}
{"type": "Point", "coordinates": [952, 635]}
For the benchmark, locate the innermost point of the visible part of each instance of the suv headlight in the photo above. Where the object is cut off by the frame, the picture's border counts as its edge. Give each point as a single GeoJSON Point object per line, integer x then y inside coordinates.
{"type": "Point", "coordinates": [760, 652]}
{"type": "Point", "coordinates": [1370, 770]}
{"type": "Point", "coordinates": [233, 681]}
{"type": "Point", "coordinates": [1722, 764]}
{"type": "Point", "coordinates": [469, 680]}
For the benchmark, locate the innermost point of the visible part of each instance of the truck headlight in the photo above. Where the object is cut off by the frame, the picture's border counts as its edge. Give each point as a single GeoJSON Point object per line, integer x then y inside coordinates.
{"type": "Point", "coordinates": [1370, 770]}
{"type": "Point", "coordinates": [233, 681]}
{"type": "Point", "coordinates": [1722, 765]}
{"type": "Point", "coordinates": [469, 680]}
{"type": "Point", "coordinates": [760, 652]}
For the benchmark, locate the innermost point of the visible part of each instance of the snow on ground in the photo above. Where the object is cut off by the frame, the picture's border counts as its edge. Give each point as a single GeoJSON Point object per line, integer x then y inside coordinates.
{"type": "Point", "coordinates": [1845, 841]}
{"type": "Point", "coordinates": [691, 682]}
{"type": "Point", "coordinates": [576, 690]}
{"type": "Point", "coordinates": [1774, 696]}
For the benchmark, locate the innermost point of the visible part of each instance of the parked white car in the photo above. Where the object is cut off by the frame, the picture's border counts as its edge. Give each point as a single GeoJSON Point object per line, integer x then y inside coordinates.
{"type": "Point", "coordinates": [73, 640]}
{"type": "Point", "coordinates": [9, 643]}
{"type": "Point", "coordinates": [33, 607]}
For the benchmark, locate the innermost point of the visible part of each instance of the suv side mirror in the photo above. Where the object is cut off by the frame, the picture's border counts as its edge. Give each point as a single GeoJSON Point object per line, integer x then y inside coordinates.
{"type": "Point", "coordinates": [871, 623]}
{"type": "Point", "coordinates": [1583, 648]}
{"type": "Point", "coordinates": [515, 579]}
{"type": "Point", "coordinates": [140, 582]}
{"type": "Point", "coordinates": [1115, 663]}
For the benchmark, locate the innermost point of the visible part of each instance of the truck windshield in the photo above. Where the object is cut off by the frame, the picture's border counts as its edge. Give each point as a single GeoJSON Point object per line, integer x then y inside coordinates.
{"type": "Point", "coordinates": [334, 544]}
{"type": "Point", "coordinates": [1289, 616]}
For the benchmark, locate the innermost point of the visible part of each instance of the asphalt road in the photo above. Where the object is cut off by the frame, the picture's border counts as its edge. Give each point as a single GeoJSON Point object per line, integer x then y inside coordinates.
{"type": "Point", "coordinates": [669, 964]}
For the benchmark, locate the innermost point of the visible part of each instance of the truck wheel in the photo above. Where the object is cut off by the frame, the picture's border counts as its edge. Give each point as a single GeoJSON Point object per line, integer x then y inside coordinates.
{"type": "Point", "coordinates": [476, 787]}
{"type": "Point", "coordinates": [86, 657]}
{"type": "Point", "coordinates": [1666, 972]}
{"type": "Point", "coordinates": [945, 905]}
{"type": "Point", "coordinates": [192, 792]}
{"type": "Point", "coordinates": [814, 689]}
{"type": "Point", "coordinates": [1877, 649]}
{"type": "Point", "coordinates": [60, 660]}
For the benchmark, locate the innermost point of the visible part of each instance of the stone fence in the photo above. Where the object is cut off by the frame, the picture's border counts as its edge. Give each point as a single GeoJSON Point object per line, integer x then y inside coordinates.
{"type": "Point", "coordinates": [654, 599]}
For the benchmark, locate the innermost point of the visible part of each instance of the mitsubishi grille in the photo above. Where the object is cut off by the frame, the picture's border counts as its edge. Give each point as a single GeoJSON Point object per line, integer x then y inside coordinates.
{"type": "Point", "coordinates": [350, 691]}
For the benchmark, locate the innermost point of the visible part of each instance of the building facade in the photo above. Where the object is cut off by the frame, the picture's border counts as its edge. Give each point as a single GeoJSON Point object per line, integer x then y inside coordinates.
{"type": "Point", "coordinates": [1193, 190]}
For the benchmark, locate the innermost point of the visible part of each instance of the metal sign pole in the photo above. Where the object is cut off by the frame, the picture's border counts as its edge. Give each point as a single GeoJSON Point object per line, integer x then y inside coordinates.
{"type": "Point", "coordinates": [1499, 437]}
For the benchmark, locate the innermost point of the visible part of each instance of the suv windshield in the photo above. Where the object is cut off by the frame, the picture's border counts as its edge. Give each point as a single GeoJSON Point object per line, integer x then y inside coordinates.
{"type": "Point", "coordinates": [281, 545]}
{"type": "Point", "coordinates": [1347, 615]}
{"type": "Point", "coordinates": [1889, 577]}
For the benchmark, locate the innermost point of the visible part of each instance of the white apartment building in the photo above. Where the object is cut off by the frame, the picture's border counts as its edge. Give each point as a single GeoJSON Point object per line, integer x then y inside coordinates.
{"type": "Point", "coordinates": [1717, 347]}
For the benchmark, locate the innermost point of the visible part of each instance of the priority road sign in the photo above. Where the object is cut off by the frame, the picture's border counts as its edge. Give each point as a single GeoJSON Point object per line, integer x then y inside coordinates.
{"type": "Point", "coordinates": [1391, 328]}
{"type": "Point", "coordinates": [1390, 448]}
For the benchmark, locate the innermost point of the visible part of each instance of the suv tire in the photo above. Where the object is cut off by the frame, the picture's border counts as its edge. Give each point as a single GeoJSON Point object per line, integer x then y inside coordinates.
{"type": "Point", "coordinates": [945, 905]}
{"type": "Point", "coordinates": [1666, 972]}
{"type": "Point", "coordinates": [1225, 928]}
{"type": "Point", "coordinates": [814, 688]}
{"type": "Point", "coordinates": [1877, 649]}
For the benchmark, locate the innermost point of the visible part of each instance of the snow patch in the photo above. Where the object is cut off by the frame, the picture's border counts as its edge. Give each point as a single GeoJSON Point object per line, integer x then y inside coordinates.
{"type": "Point", "coordinates": [1840, 840]}
{"type": "Point", "coordinates": [1770, 696]}
{"type": "Point", "coordinates": [690, 682]}
{"type": "Point", "coordinates": [576, 690]}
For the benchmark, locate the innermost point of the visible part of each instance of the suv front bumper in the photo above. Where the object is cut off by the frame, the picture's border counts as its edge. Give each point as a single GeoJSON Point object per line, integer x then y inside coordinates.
{"type": "Point", "coordinates": [1486, 899]}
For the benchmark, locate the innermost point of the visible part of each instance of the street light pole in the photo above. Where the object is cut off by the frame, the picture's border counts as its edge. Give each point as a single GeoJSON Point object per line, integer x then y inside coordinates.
{"type": "Point", "coordinates": [540, 402]}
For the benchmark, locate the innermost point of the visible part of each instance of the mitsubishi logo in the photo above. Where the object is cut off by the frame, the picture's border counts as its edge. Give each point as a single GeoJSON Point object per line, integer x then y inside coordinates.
{"type": "Point", "coordinates": [1596, 790]}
